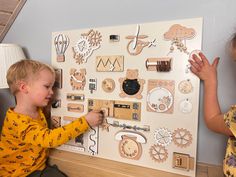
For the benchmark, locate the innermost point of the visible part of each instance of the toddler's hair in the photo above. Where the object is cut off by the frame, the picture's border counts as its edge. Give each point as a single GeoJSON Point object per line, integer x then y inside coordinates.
{"type": "Point", "coordinates": [23, 70]}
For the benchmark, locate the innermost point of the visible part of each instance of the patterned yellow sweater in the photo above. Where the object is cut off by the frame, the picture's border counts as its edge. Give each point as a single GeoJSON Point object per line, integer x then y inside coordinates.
{"type": "Point", "coordinates": [230, 156]}
{"type": "Point", "coordinates": [24, 142]}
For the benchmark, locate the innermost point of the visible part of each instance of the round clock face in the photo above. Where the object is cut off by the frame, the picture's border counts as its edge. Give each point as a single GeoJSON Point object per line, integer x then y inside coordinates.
{"type": "Point", "coordinates": [131, 86]}
{"type": "Point", "coordinates": [129, 148]}
{"type": "Point", "coordinates": [159, 99]}
{"type": "Point", "coordinates": [77, 81]}
{"type": "Point", "coordinates": [185, 86]}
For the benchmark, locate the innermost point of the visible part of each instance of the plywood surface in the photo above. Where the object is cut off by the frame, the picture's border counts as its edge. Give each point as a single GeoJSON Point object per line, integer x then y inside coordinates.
{"type": "Point", "coordinates": [77, 165]}
{"type": "Point", "coordinates": [9, 9]}
{"type": "Point", "coordinates": [173, 115]}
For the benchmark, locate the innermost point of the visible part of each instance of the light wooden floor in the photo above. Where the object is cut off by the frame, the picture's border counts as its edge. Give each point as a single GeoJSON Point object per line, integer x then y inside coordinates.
{"type": "Point", "coordinates": [77, 165]}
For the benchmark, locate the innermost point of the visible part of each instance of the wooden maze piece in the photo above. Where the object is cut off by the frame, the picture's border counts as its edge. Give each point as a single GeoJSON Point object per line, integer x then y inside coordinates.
{"type": "Point", "coordinates": [113, 63]}
{"type": "Point", "coordinates": [131, 86]}
{"type": "Point", "coordinates": [160, 97]}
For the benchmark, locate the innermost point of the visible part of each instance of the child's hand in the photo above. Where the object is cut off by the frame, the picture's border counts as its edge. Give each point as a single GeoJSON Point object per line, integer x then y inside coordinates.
{"type": "Point", "coordinates": [94, 118]}
{"type": "Point", "coordinates": [203, 69]}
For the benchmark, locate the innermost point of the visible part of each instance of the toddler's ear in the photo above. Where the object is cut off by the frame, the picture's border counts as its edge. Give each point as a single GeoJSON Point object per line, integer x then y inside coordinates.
{"type": "Point", "coordinates": [22, 86]}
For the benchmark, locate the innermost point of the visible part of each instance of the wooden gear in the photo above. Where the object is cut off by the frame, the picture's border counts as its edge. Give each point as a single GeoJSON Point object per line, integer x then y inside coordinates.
{"type": "Point", "coordinates": [163, 137]}
{"type": "Point", "coordinates": [158, 153]}
{"type": "Point", "coordinates": [182, 137]}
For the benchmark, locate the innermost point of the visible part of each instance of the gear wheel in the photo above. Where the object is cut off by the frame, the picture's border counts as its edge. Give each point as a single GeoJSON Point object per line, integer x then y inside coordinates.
{"type": "Point", "coordinates": [83, 46]}
{"type": "Point", "coordinates": [163, 137]}
{"type": "Point", "coordinates": [95, 38]}
{"type": "Point", "coordinates": [158, 153]}
{"type": "Point", "coordinates": [182, 137]}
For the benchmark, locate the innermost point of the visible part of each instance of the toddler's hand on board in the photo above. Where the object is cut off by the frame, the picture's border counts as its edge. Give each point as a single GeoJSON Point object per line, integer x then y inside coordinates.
{"type": "Point", "coordinates": [201, 67]}
{"type": "Point", "coordinates": [94, 118]}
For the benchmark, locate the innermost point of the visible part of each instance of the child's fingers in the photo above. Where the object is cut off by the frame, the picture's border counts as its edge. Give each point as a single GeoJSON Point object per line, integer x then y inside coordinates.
{"type": "Point", "coordinates": [197, 60]}
{"type": "Point", "coordinates": [215, 62]}
{"type": "Point", "coordinates": [195, 65]}
{"type": "Point", "coordinates": [204, 59]}
{"type": "Point", "coordinates": [194, 71]}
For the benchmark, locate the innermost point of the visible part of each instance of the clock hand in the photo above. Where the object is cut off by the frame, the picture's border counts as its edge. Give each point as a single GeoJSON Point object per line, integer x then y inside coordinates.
{"type": "Point", "coordinates": [76, 80]}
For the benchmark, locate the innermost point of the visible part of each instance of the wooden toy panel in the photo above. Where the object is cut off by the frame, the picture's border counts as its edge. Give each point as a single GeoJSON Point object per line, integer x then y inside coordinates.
{"type": "Point", "coordinates": [117, 109]}
{"type": "Point", "coordinates": [139, 76]}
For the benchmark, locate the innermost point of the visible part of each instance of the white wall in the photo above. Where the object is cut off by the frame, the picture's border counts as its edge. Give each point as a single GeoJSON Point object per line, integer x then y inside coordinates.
{"type": "Point", "coordinates": [39, 18]}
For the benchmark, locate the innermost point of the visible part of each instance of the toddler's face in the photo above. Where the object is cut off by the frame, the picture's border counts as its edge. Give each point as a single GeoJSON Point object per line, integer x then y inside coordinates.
{"type": "Point", "coordinates": [40, 91]}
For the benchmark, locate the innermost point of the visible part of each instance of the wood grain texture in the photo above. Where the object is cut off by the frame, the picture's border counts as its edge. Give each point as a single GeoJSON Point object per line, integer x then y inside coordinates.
{"type": "Point", "coordinates": [12, 7]}
{"type": "Point", "coordinates": [4, 17]}
{"type": "Point", "coordinates": [77, 165]}
{"type": "Point", "coordinates": [8, 5]}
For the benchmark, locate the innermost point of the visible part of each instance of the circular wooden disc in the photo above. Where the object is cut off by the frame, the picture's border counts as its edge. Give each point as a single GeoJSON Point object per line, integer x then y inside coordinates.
{"type": "Point", "coordinates": [108, 85]}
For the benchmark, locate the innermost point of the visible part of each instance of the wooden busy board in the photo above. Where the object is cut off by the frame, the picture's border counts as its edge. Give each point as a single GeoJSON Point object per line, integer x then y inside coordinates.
{"type": "Point", "coordinates": [139, 76]}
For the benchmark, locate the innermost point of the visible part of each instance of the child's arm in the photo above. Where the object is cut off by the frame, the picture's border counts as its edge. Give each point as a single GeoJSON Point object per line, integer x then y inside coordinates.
{"type": "Point", "coordinates": [34, 133]}
{"type": "Point", "coordinates": [214, 119]}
